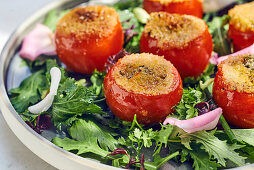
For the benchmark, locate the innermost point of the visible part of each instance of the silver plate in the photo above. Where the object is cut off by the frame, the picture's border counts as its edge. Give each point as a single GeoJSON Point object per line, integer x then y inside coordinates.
{"type": "Point", "coordinates": [12, 73]}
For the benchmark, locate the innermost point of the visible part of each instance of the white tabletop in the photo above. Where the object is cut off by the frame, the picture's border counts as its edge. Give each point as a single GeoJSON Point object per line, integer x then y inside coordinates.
{"type": "Point", "coordinates": [13, 154]}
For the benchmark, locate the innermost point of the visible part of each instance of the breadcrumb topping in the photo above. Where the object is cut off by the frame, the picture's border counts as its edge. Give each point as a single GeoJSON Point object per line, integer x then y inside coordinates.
{"type": "Point", "coordinates": [144, 74]}
{"type": "Point", "coordinates": [174, 30]}
{"type": "Point", "coordinates": [242, 17]}
{"type": "Point", "coordinates": [91, 20]}
{"type": "Point", "coordinates": [238, 71]}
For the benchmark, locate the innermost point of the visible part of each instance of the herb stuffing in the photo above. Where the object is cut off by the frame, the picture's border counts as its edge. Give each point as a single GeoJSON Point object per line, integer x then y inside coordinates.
{"type": "Point", "coordinates": [79, 110]}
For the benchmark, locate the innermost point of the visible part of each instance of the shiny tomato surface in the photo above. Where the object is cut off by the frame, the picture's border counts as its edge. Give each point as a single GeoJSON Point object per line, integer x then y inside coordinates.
{"type": "Point", "coordinates": [92, 40]}
{"type": "Point", "coordinates": [190, 7]}
{"type": "Point", "coordinates": [190, 60]}
{"type": "Point", "coordinates": [148, 108]}
{"type": "Point", "coordinates": [241, 25]}
{"type": "Point", "coordinates": [240, 39]}
{"type": "Point", "coordinates": [238, 106]}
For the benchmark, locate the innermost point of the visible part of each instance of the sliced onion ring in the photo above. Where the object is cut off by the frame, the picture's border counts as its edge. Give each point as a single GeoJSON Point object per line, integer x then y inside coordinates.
{"type": "Point", "coordinates": [46, 103]}
{"type": "Point", "coordinates": [206, 121]}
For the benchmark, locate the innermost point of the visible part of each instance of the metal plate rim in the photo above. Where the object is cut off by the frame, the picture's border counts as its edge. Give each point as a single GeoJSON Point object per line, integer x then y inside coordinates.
{"type": "Point", "coordinates": [65, 160]}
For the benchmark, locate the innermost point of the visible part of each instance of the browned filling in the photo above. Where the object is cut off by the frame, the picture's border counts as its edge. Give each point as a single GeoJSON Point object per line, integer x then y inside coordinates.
{"type": "Point", "coordinates": [90, 20]}
{"type": "Point", "coordinates": [238, 71]}
{"type": "Point", "coordinates": [249, 62]}
{"type": "Point", "coordinates": [87, 16]}
{"type": "Point", "coordinates": [173, 29]}
{"type": "Point", "coordinates": [242, 17]}
{"type": "Point", "coordinates": [144, 74]}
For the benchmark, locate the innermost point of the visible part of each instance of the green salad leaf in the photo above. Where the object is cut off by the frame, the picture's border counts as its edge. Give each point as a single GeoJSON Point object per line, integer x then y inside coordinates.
{"type": "Point", "coordinates": [53, 17]}
{"type": "Point", "coordinates": [245, 135]}
{"type": "Point", "coordinates": [129, 4]}
{"type": "Point", "coordinates": [29, 92]}
{"type": "Point", "coordinates": [217, 149]}
{"type": "Point", "coordinates": [186, 108]}
{"type": "Point", "coordinates": [201, 160]}
{"type": "Point", "coordinates": [87, 136]}
{"type": "Point", "coordinates": [158, 161]}
{"type": "Point", "coordinates": [218, 28]}
{"type": "Point", "coordinates": [97, 81]}
{"type": "Point", "coordinates": [162, 137]}
{"type": "Point", "coordinates": [73, 100]}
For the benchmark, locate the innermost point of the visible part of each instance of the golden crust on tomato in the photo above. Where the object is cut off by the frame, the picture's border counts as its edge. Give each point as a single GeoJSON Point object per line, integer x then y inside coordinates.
{"type": "Point", "coordinates": [174, 29]}
{"type": "Point", "coordinates": [88, 21]}
{"type": "Point", "coordinates": [145, 73]}
{"type": "Point", "coordinates": [242, 17]}
{"type": "Point", "coordinates": [238, 72]}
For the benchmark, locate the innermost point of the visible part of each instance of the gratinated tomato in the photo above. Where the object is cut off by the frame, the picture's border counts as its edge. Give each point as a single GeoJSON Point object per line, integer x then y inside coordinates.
{"type": "Point", "coordinates": [241, 25]}
{"type": "Point", "coordinates": [184, 40]}
{"type": "Point", "coordinates": [190, 7]}
{"type": "Point", "coordinates": [143, 84]}
{"type": "Point", "coordinates": [86, 36]}
{"type": "Point", "coordinates": [233, 90]}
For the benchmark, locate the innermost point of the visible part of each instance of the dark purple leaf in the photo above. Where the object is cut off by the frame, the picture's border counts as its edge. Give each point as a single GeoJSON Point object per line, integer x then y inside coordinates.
{"type": "Point", "coordinates": [132, 161]}
{"type": "Point", "coordinates": [203, 107]}
{"type": "Point", "coordinates": [129, 33]}
{"type": "Point", "coordinates": [142, 160]}
{"type": "Point", "coordinates": [213, 106]}
{"type": "Point", "coordinates": [36, 129]}
{"type": "Point", "coordinates": [44, 122]}
{"type": "Point", "coordinates": [119, 151]}
{"type": "Point", "coordinates": [113, 59]}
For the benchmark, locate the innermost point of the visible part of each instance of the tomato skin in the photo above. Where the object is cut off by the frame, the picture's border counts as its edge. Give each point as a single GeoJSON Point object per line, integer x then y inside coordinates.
{"type": "Point", "coordinates": [148, 108]}
{"type": "Point", "coordinates": [190, 61]}
{"type": "Point", "coordinates": [90, 52]}
{"type": "Point", "coordinates": [189, 7]}
{"type": "Point", "coordinates": [240, 39]}
{"type": "Point", "coordinates": [237, 106]}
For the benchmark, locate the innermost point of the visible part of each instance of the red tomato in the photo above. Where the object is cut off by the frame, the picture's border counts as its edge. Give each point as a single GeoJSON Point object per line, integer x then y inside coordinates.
{"type": "Point", "coordinates": [240, 39]}
{"type": "Point", "coordinates": [184, 40]}
{"type": "Point", "coordinates": [241, 26]}
{"type": "Point", "coordinates": [143, 84]}
{"type": "Point", "coordinates": [190, 7]}
{"type": "Point", "coordinates": [86, 37]}
{"type": "Point", "coordinates": [233, 90]}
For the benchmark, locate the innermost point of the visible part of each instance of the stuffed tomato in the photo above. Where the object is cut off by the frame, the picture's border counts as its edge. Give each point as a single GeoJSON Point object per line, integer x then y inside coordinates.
{"type": "Point", "coordinates": [86, 36]}
{"type": "Point", "coordinates": [190, 7]}
{"type": "Point", "coordinates": [184, 40]}
{"type": "Point", "coordinates": [233, 90]}
{"type": "Point", "coordinates": [143, 84]}
{"type": "Point", "coordinates": [241, 25]}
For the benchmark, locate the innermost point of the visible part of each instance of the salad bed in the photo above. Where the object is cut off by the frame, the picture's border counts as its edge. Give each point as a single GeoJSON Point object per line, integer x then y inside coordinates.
{"type": "Point", "coordinates": [79, 110]}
